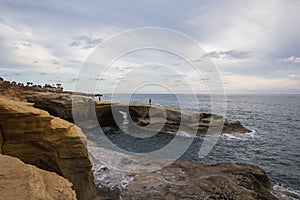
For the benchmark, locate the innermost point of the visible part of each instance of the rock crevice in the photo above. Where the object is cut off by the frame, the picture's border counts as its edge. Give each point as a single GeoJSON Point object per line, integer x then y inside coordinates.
{"type": "Point", "coordinates": [1, 140]}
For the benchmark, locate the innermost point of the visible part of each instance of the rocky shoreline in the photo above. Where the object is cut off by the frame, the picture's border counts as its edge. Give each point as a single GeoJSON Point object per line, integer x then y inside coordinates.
{"type": "Point", "coordinates": [66, 106]}
{"type": "Point", "coordinates": [40, 133]}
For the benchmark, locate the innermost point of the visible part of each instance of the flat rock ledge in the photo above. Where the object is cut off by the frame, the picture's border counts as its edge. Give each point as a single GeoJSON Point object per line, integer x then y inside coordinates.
{"type": "Point", "coordinates": [142, 117]}
{"type": "Point", "coordinates": [124, 178]}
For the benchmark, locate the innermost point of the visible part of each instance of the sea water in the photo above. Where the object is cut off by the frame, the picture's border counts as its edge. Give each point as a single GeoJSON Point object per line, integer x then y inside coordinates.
{"type": "Point", "coordinates": [273, 119]}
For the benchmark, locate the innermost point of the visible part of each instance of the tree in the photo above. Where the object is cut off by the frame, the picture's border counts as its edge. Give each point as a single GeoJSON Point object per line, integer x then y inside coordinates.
{"type": "Point", "coordinates": [29, 84]}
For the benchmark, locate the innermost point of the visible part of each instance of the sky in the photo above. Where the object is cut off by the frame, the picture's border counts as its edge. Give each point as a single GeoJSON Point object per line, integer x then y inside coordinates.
{"type": "Point", "coordinates": [253, 46]}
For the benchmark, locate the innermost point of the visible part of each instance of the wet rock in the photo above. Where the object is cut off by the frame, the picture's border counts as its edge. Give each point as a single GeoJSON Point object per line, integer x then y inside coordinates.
{"type": "Point", "coordinates": [178, 180]}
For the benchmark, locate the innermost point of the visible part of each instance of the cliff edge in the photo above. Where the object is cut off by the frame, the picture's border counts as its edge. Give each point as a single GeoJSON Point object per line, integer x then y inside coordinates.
{"type": "Point", "coordinates": [48, 142]}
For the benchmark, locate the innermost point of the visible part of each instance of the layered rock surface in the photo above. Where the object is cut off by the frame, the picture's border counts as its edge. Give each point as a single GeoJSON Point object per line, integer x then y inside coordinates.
{"type": "Point", "coordinates": [20, 181]}
{"type": "Point", "coordinates": [56, 145]}
{"type": "Point", "coordinates": [142, 116]}
{"type": "Point", "coordinates": [187, 180]}
{"type": "Point", "coordinates": [47, 142]}
{"type": "Point", "coordinates": [89, 113]}
{"type": "Point", "coordinates": [124, 178]}
{"type": "Point", "coordinates": [152, 117]}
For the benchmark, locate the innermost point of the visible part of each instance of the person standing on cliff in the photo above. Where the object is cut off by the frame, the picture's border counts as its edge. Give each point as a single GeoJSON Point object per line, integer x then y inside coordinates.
{"type": "Point", "coordinates": [149, 101]}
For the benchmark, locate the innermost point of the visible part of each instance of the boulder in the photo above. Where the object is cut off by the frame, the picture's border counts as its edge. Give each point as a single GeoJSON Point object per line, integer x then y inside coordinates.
{"type": "Point", "coordinates": [188, 180]}
{"type": "Point", "coordinates": [20, 181]}
{"type": "Point", "coordinates": [47, 142]}
{"type": "Point", "coordinates": [121, 176]}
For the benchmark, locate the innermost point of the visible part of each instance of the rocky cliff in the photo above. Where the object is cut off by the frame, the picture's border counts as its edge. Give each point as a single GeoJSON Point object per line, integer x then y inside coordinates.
{"type": "Point", "coordinates": [58, 146]}
{"type": "Point", "coordinates": [141, 115]}
{"type": "Point", "coordinates": [47, 142]}
{"type": "Point", "coordinates": [20, 181]}
{"type": "Point", "coordinates": [153, 117]}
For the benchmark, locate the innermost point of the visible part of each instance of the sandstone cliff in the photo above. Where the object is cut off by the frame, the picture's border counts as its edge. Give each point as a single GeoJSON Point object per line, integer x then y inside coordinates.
{"type": "Point", "coordinates": [47, 142]}
{"type": "Point", "coordinates": [20, 181]}
{"type": "Point", "coordinates": [58, 146]}
{"type": "Point", "coordinates": [142, 115]}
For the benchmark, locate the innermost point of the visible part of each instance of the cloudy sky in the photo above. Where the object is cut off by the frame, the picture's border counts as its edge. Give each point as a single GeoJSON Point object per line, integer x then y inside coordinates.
{"type": "Point", "coordinates": [253, 45]}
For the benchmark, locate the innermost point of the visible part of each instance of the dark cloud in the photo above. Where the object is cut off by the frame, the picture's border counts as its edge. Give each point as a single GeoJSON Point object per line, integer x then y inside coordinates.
{"type": "Point", "coordinates": [179, 84]}
{"type": "Point", "coordinates": [27, 44]}
{"type": "Point", "coordinates": [17, 45]}
{"type": "Point", "coordinates": [128, 67]}
{"type": "Point", "coordinates": [174, 75]}
{"type": "Point", "coordinates": [201, 79]}
{"type": "Point", "coordinates": [177, 81]}
{"type": "Point", "coordinates": [43, 73]}
{"type": "Point", "coordinates": [197, 60]}
{"type": "Point", "coordinates": [72, 80]}
{"type": "Point", "coordinates": [55, 62]}
{"type": "Point", "coordinates": [85, 42]}
{"type": "Point", "coordinates": [119, 68]}
{"type": "Point", "coordinates": [99, 79]}
{"type": "Point", "coordinates": [231, 54]}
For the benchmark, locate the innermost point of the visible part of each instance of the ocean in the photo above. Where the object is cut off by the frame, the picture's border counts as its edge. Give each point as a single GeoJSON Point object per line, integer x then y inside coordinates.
{"type": "Point", "coordinates": [273, 119]}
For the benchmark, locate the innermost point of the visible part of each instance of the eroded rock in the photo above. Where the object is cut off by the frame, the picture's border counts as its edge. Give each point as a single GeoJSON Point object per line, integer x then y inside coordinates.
{"type": "Point", "coordinates": [47, 142]}
{"type": "Point", "coordinates": [144, 117]}
{"type": "Point", "coordinates": [23, 181]}
{"type": "Point", "coordinates": [188, 180]}
{"type": "Point", "coordinates": [123, 177]}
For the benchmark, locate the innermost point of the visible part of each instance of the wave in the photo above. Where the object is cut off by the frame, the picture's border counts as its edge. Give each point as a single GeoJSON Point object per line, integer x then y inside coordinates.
{"type": "Point", "coordinates": [125, 117]}
{"type": "Point", "coordinates": [182, 134]}
{"type": "Point", "coordinates": [285, 193]}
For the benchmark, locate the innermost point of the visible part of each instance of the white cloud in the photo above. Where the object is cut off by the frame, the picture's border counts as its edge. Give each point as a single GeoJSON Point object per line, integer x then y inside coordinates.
{"type": "Point", "coordinates": [291, 59]}
{"type": "Point", "coordinates": [244, 38]}
{"type": "Point", "coordinates": [257, 26]}
{"type": "Point", "coordinates": [230, 54]}
{"type": "Point", "coordinates": [19, 48]}
{"type": "Point", "coordinates": [239, 83]}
